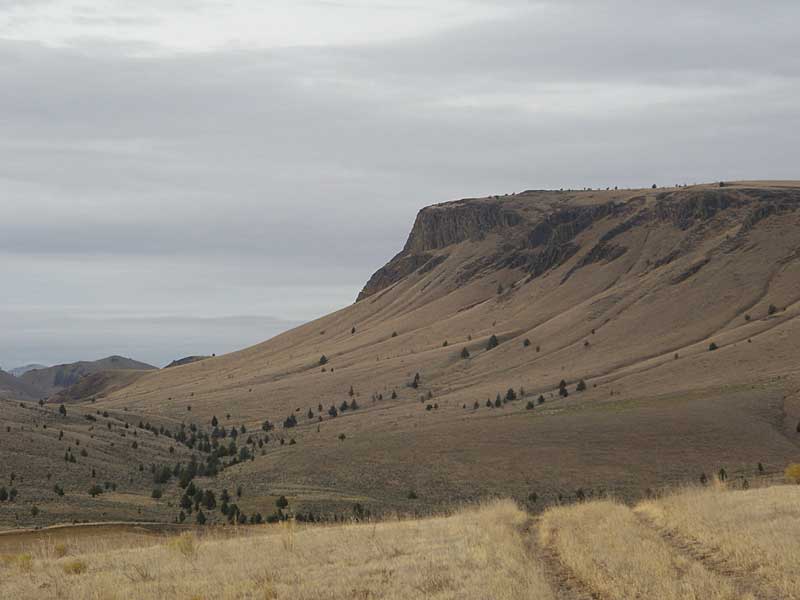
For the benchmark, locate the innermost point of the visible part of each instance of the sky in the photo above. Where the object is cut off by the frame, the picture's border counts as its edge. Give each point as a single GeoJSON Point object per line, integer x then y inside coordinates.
{"type": "Point", "coordinates": [191, 177]}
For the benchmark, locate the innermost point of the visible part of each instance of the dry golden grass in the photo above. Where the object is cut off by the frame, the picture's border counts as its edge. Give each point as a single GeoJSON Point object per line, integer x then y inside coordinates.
{"type": "Point", "coordinates": [608, 548]}
{"type": "Point", "coordinates": [753, 533]}
{"type": "Point", "coordinates": [701, 544]}
{"type": "Point", "coordinates": [476, 554]}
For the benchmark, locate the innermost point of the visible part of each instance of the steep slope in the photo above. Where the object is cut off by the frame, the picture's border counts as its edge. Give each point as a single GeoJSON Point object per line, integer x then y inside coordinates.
{"type": "Point", "coordinates": [623, 289]}
{"type": "Point", "coordinates": [52, 379]}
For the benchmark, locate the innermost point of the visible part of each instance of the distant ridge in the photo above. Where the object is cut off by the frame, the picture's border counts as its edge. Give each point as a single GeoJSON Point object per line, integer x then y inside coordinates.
{"type": "Point", "coordinates": [20, 371]}
{"type": "Point", "coordinates": [53, 379]}
{"type": "Point", "coordinates": [185, 361]}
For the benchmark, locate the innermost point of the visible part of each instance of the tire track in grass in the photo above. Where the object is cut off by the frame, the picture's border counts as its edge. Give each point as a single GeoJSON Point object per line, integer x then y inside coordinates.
{"type": "Point", "coordinates": [564, 583]}
{"type": "Point", "coordinates": [747, 585]}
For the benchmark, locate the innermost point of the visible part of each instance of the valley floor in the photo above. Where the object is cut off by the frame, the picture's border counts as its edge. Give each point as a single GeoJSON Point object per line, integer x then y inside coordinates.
{"type": "Point", "coordinates": [708, 543]}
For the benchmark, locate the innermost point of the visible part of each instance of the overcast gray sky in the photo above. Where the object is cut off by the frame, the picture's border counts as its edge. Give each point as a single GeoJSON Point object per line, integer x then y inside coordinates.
{"type": "Point", "coordinates": [193, 176]}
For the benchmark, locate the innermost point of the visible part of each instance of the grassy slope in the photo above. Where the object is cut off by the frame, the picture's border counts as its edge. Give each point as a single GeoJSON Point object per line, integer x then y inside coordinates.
{"type": "Point", "coordinates": [648, 419]}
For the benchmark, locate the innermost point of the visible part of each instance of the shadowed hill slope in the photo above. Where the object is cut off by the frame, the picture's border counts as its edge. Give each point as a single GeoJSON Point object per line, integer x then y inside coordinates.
{"type": "Point", "coordinates": [14, 388]}
{"type": "Point", "coordinates": [59, 377]}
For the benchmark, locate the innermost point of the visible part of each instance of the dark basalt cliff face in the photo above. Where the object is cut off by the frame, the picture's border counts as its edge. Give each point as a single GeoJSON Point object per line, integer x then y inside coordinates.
{"type": "Point", "coordinates": [438, 227]}
{"type": "Point", "coordinates": [538, 232]}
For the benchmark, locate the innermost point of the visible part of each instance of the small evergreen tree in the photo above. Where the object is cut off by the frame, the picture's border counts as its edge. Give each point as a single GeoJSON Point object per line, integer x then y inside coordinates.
{"type": "Point", "coordinates": [526, 342]}
{"type": "Point", "coordinates": [493, 342]}
{"type": "Point", "coordinates": [464, 353]}
{"type": "Point", "coordinates": [581, 387]}
{"type": "Point", "coordinates": [323, 360]}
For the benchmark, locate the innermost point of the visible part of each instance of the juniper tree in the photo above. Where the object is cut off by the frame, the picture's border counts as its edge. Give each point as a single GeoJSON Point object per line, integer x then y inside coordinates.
{"type": "Point", "coordinates": [493, 342]}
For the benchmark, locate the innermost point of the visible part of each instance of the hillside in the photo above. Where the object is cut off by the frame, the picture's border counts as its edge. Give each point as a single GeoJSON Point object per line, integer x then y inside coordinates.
{"type": "Point", "coordinates": [14, 388]}
{"type": "Point", "coordinates": [20, 371]}
{"type": "Point", "coordinates": [625, 290]}
{"type": "Point", "coordinates": [53, 379]}
{"type": "Point", "coordinates": [708, 543]}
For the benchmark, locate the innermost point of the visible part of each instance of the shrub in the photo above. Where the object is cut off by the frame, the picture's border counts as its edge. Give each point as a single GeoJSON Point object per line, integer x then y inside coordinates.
{"type": "Point", "coordinates": [581, 387]}
{"type": "Point", "coordinates": [529, 405]}
{"type": "Point", "coordinates": [24, 562]}
{"type": "Point", "coordinates": [792, 472]}
{"type": "Point", "coordinates": [464, 353]}
{"type": "Point", "coordinates": [526, 342]}
{"type": "Point", "coordinates": [323, 360]}
{"type": "Point", "coordinates": [712, 346]}
{"type": "Point", "coordinates": [156, 493]}
{"type": "Point", "coordinates": [342, 437]}
{"type": "Point", "coordinates": [74, 567]}
{"type": "Point", "coordinates": [63, 410]}
{"type": "Point", "coordinates": [394, 395]}
{"type": "Point", "coordinates": [493, 342]}
{"type": "Point", "coordinates": [540, 399]}
{"type": "Point", "coordinates": [412, 495]}
{"type": "Point", "coordinates": [282, 502]}
{"type": "Point", "coordinates": [772, 309]}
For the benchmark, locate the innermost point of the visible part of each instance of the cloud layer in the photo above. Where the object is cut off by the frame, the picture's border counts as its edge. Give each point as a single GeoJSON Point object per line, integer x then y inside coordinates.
{"type": "Point", "coordinates": [171, 151]}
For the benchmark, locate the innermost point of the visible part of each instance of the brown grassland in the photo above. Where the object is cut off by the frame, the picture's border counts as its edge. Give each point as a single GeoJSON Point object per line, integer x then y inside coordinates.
{"type": "Point", "coordinates": [623, 290]}
{"type": "Point", "coordinates": [696, 543]}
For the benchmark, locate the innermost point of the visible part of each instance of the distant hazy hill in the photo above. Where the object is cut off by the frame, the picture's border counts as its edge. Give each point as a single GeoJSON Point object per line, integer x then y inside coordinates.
{"type": "Point", "coordinates": [13, 388]}
{"type": "Point", "coordinates": [52, 379]}
{"type": "Point", "coordinates": [185, 361]}
{"type": "Point", "coordinates": [20, 371]}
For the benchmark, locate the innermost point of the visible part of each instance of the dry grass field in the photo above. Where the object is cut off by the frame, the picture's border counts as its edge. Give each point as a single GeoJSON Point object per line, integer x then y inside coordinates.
{"type": "Point", "coordinates": [478, 553]}
{"type": "Point", "coordinates": [697, 543]}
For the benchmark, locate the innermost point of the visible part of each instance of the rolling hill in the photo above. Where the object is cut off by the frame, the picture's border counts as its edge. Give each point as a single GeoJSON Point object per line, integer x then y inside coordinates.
{"type": "Point", "coordinates": [53, 379]}
{"type": "Point", "coordinates": [535, 344]}
{"type": "Point", "coordinates": [13, 388]}
{"type": "Point", "coordinates": [20, 371]}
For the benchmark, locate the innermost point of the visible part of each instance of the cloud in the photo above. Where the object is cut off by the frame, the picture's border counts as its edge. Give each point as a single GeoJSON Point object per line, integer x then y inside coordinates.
{"type": "Point", "coordinates": [283, 161]}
